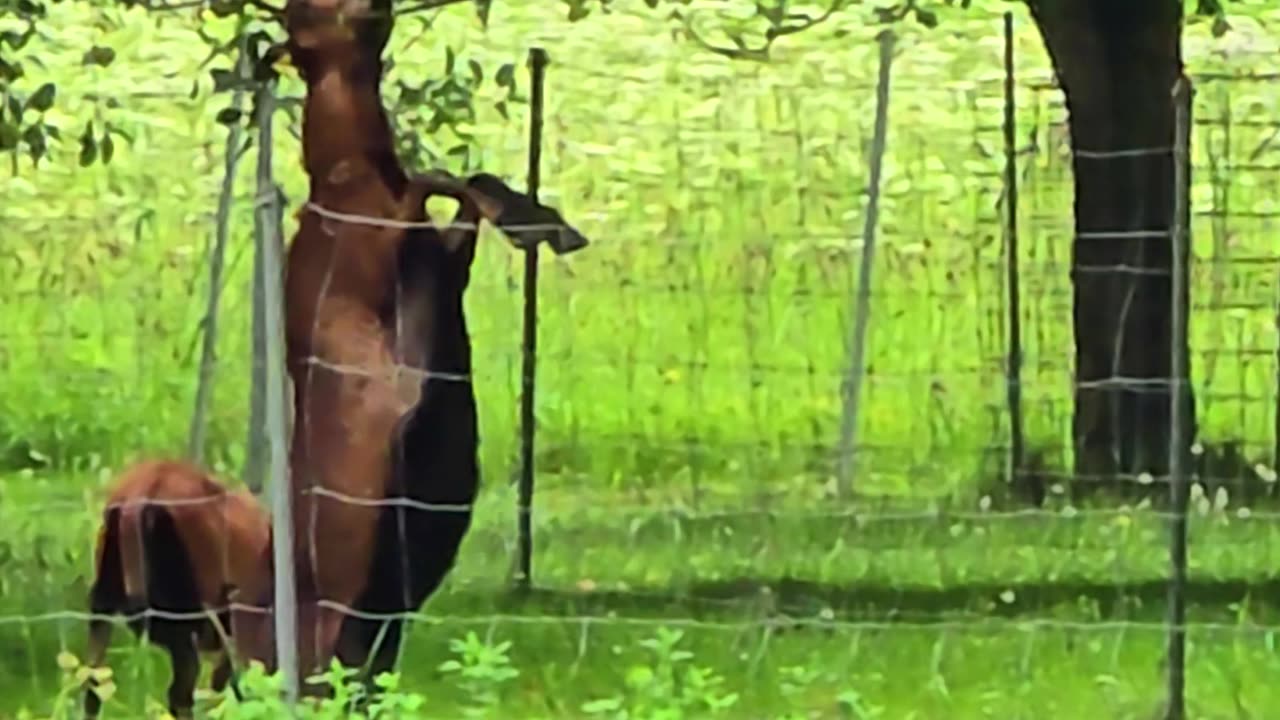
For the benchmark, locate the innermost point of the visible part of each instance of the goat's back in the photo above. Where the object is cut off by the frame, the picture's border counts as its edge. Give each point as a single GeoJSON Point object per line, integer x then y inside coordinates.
{"type": "Point", "coordinates": [189, 527]}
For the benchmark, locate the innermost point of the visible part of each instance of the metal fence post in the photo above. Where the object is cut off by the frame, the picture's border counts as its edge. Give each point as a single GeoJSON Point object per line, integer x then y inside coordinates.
{"type": "Point", "coordinates": [255, 454]}
{"type": "Point", "coordinates": [1183, 96]}
{"type": "Point", "coordinates": [852, 385]}
{"type": "Point", "coordinates": [1013, 362]}
{"type": "Point", "coordinates": [537, 68]}
{"type": "Point", "coordinates": [267, 231]}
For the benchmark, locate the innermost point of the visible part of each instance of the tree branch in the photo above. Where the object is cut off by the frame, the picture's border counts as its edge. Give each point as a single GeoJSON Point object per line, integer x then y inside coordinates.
{"type": "Point", "coordinates": [152, 6]}
{"type": "Point", "coordinates": [170, 7]}
{"type": "Point", "coordinates": [421, 5]}
{"type": "Point", "coordinates": [776, 30]}
{"type": "Point", "coordinates": [266, 7]}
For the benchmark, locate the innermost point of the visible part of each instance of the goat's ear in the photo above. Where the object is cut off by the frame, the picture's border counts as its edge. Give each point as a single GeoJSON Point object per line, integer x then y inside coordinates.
{"type": "Point", "coordinates": [461, 235]}
{"type": "Point", "coordinates": [489, 207]}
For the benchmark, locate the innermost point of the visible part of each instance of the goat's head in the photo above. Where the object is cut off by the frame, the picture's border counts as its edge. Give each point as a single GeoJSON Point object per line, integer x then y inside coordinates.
{"type": "Point", "coordinates": [337, 34]}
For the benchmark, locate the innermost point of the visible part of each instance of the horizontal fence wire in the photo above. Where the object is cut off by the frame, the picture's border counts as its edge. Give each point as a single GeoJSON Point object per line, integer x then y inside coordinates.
{"type": "Point", "coordinates": [886, 513]}
{"type": "Point", "coordinates": [971, 625]}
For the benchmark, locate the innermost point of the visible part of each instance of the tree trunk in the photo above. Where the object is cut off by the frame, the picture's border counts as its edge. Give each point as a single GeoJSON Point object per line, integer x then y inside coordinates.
{"type": "Point", "coordinates": [1117, 62]}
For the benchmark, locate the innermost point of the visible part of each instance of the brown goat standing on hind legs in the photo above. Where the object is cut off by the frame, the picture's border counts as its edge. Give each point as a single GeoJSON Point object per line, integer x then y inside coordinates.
{"type": "Point", "coordinates": [377, 349]}
{"type": "Point", "coordinates": [173, 544]}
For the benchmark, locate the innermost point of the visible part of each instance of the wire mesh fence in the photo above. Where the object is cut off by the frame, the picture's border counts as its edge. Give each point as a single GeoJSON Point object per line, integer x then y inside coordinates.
{"type": "Point", "coordinates": [690, 376]}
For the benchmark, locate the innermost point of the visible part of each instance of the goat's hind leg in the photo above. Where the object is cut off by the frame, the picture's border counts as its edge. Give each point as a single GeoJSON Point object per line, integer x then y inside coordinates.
{"type": "Point", "coordinates": [99, 639]}
{"type": "Point", "coordinates": [186, 671]}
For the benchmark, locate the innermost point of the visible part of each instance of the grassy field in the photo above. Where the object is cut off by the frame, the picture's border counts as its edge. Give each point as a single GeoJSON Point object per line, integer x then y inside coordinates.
{"type": "Point", "coordinates": [689, 377]}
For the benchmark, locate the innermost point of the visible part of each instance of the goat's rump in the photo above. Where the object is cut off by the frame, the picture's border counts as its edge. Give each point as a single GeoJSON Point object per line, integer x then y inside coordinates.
{"type": "Point", "coordinates": [172, 544]}
{"type": "Point", "coordinates": [169, 588]}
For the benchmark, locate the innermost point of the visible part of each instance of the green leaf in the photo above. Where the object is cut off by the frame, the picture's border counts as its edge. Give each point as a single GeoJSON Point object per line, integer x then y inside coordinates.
{"type": "Point", "coordinates": [265, 72]}
{"type": "Point", "coordinates": [29, 9]}
{"type": "Point", "coordinates": [1209, 7]}
{"type": "Point", "coordinates": [10, 71]}
{"type": "Point", "coordinates": [224, 8]}
{"type": "Point", "coordinates": [15, 39]}
{"type": "Point", "coordinates": [9, 136]}
{"type": "Point", "coordinates": [98, 55]}
{"type": "Point", "coordinates": [602, 706]}
{"type": "Point", "coordinates": [88, 146]}
{"type": "Point", "coordinates": [482, 11]}
{"type": "Point", "coordinates": [34, 138]}
{"type": "Point", "coordinates": [927, 18]}
{"type": "Point", "coordinates": [506, 76]}
{"type": "Point", "coordinates": [1220, 25]}
{"type": "Point", "coordinates": [42, 99]}
{"type": "Point", "coordinates": [223, 79]}
{"type": "Point", "coordinates": [228, 116]}
{"type": "Point", "coordinates": [113, 130]}
{"type": "Point", "coordinates": [107, 148]}
{"type": "Point", "coordinates": [578, 10]}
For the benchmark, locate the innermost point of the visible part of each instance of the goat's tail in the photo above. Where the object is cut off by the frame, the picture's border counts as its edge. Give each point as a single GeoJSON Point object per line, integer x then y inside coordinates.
{"type": "Point", "coordinates": [130, 531]}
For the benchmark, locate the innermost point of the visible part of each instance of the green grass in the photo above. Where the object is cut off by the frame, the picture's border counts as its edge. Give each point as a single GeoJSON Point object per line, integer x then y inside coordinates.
{"type": "Point", "coordinates": [928, 615]}
{"type": "Point", "coordinates": [691, 358]}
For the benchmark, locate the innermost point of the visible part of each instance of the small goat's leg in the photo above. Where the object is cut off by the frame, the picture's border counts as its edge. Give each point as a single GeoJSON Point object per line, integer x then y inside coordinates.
{"type": "Point", "coordinates": [222, 674]}
{"type": "Point", "coordinates": [99, 638]}
{"type": "Point", "coordinates": [186, 671]}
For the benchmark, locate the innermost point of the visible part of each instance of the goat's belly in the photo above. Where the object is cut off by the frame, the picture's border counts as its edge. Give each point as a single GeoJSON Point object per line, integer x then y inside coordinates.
{"type": "Point", "coordinates": [341, 472]}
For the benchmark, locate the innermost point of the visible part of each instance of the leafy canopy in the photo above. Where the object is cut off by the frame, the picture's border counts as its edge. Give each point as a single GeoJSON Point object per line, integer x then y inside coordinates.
{"type": "Point", "coordinates": [241, 59]}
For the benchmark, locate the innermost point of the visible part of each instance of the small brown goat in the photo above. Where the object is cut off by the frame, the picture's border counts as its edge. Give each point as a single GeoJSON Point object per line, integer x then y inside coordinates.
{"type": "Point", "coordinates": [173, 544]}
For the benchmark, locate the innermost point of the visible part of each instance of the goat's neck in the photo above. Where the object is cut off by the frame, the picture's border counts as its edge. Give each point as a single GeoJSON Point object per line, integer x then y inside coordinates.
{"type": "Point", "coordinates": [343, 120]}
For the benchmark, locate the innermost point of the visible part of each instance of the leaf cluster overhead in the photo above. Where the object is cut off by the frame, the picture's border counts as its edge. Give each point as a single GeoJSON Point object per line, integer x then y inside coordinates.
{"type": "Point", "coordinates": [745, 30]}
